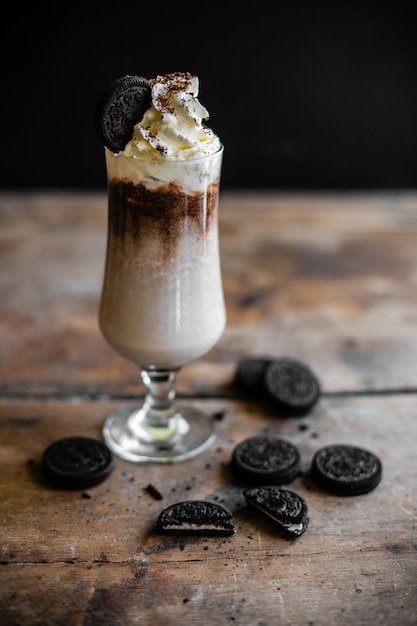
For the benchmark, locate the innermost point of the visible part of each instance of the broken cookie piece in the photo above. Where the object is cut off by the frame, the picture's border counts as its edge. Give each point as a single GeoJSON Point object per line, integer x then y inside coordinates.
{"type": "Point", "coordinates": [284, 506]}
{"type": "Point", "coordinates": [196, 517]}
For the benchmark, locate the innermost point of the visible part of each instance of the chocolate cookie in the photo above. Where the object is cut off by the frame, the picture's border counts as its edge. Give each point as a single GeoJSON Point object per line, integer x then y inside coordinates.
{"type": "Point", "coordinates": [120, 107]}
{"type": "Point", "coordinates": [283, 505]}
{"type": "Point", "coordinates": [77, 462]}
{"type": "Point", "coordinates": [196, 517]}
{"type": "Point", "coordinates": [249, 376]}
{"type": "Point", "coordinates": [266, 459]}
{"type": "Point", "coordinates": [291, 386]}
{"type": "Point", "coordinates": [346, 470]}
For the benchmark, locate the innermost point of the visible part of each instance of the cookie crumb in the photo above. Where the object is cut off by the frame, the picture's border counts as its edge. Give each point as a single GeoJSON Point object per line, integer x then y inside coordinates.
{"type": "Point", "coordinates": [154, 492]}
{"type": "Point", "coordinates": [220, 415]}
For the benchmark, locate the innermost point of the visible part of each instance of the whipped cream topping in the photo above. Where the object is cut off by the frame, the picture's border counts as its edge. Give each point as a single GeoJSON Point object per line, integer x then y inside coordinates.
{"type": "Point", "coordinates": [174, 126]}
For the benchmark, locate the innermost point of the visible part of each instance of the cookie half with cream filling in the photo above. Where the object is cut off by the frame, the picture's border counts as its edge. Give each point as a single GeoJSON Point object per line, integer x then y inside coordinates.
{"type": "Point", "coordinates": [284, 506]}
{"type": "Point", "coordinates": [196, 517]}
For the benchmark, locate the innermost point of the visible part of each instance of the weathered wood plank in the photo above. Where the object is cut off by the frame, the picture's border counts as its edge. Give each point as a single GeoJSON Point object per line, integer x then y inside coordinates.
{"type": "Point", "coordinates": [356, 560]}
{"type": "Point", "coordinates": [264, 590]}
{"type": "Point", "coordinates": [328, 278]}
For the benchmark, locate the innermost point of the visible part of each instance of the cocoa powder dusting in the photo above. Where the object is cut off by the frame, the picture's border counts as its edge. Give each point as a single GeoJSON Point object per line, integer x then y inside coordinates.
{"type": "Point", "coordinates": [177, 81]}
{"type": "Point", "coordinates": [136, 212]}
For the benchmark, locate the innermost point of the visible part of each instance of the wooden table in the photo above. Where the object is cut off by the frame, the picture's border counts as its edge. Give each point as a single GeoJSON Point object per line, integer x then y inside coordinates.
{"type": "Point", "coordinates": [328, 278]}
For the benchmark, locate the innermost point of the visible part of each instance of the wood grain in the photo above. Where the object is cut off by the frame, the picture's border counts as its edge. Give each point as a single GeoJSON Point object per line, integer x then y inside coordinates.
{"type": "Point", "coordinates": [97, 553]}
{"type": "Point", "coordinates": [328, 278]}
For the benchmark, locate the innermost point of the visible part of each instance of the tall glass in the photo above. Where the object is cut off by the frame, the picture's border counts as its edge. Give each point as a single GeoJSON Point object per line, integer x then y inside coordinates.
{"type": "Point", "coordinates": [162, 302]}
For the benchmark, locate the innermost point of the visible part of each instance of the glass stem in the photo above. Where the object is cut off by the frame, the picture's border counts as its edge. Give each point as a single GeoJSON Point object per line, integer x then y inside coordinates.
{"type": "Point", "coordinates": [160, 396]}
{"type": "Point", "coordinates": [157, 422]}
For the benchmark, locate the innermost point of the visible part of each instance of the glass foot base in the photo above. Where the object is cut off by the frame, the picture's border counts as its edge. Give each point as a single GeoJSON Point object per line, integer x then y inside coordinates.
{"type": "Point", "coordinates": [188, 434]}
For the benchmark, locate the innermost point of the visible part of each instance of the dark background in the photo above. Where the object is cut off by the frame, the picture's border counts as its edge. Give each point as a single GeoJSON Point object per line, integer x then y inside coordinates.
{"type": "Point", "coordinates": [309, 95]}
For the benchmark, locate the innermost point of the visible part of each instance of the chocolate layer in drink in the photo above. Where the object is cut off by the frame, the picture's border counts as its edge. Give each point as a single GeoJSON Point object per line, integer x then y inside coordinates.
{"type": "Point", "coordinates": [162, 300]}
{"type": "Point", "coordinates": [138, 213]}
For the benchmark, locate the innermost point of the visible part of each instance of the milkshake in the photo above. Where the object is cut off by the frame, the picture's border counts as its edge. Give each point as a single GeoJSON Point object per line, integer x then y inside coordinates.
{"type": "Point", "coordinates": [162, 302]}
{"type": "Point", "coordinates": [162, 299]}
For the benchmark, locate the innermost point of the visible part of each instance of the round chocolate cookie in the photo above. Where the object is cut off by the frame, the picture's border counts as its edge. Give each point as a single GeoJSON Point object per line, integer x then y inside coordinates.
{"type": "Point", "coordinates": [120, 107]}
{"type": "Point", "coordinates": [291, 386]}
{"type": "Point", "coordinates": [77, 462]}
{"type": "Point", "coordinates": [266, 459]}
{"type": "Point", "coordinates": [346, 470]}
{"type": "Point", "coordinates": [249, 374]}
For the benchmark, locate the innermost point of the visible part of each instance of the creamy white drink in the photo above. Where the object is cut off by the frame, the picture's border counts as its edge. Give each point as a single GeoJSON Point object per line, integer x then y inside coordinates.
{"type": "Point", "coordinates": [162, 300]}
